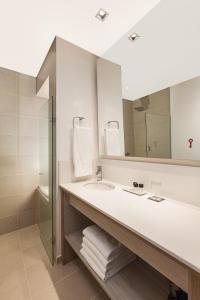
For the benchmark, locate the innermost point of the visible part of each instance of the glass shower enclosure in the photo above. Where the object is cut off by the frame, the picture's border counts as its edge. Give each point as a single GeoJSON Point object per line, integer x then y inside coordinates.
{"type": "Point", "coordinates": [46, 182]}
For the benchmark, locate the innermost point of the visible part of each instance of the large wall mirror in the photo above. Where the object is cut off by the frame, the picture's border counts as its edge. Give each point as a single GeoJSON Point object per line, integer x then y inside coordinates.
{"type": "Point", "coordinates": [149, 90]}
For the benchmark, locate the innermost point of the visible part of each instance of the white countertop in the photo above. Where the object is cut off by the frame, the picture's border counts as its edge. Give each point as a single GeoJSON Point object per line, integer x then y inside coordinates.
{"type": "Point", "coordinates": [170, 225]}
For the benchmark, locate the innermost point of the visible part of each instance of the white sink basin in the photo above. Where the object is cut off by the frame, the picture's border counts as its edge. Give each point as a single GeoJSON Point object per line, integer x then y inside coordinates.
{"type": "Point", "coordinates": [99, 186]}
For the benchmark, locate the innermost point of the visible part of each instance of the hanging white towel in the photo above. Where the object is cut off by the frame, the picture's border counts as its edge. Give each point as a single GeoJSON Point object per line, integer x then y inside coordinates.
{"type": "Point", "coordinates": [112, 141]}
{"type": "Point", "coordinates": [82, 151]}
{"type": "Point", "coordinates": [107, 245]}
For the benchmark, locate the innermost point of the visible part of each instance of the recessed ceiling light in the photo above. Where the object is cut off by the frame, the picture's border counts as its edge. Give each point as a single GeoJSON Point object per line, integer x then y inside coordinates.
{"type": "Point", "coordinates": [102, 14]}
{"type": "Point", "coordinates": [133, 37]}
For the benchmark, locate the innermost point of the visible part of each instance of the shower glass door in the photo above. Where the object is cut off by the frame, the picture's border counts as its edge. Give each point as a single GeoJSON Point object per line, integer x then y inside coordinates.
{"type": "Point", "coordinates": [158, 135]}
{"type": "Point", "coordinates": [46, 176]}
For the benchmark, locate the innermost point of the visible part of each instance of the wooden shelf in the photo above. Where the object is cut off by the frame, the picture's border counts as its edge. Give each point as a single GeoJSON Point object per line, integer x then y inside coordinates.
{"type": "Point", "coordinates": [137, 281]}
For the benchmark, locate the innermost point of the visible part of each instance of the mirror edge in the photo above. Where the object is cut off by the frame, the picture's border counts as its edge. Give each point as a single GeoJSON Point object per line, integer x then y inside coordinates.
{"type": "Point", "coordinates": [166, 161]}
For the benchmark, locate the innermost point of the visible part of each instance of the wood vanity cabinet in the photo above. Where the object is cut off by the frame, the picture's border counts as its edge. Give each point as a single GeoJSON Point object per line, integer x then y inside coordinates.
{"type": "Point", "coordinates": [146, 278]}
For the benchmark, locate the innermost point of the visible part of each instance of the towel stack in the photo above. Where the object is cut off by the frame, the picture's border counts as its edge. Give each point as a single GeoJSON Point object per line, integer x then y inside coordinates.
{"type": "Point", "coordinates": [104, 254]}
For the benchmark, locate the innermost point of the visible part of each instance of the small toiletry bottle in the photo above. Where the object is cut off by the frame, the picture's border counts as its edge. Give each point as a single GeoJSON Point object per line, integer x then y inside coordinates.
{"type": "Point", "coordinates": [141, 187]}
{"type": "Point", "coordinates": [135, 186]}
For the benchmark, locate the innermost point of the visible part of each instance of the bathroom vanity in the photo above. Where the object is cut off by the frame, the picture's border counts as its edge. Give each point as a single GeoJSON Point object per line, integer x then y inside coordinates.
{"type": "Point", "coordinates": [164, 236]}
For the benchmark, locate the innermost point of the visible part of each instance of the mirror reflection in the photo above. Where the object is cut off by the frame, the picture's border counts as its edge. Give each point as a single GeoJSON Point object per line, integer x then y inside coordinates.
{"type": "Point", "coordinates": [164, 124]}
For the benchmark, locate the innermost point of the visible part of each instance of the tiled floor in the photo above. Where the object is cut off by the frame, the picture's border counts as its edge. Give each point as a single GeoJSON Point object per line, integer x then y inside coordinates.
{"type": "Point", "coordinates": [26, 274]}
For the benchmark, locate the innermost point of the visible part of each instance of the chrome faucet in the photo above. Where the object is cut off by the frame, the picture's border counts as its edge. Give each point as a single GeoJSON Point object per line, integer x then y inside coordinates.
{"type": "Point", "coordinates": [99, 173]}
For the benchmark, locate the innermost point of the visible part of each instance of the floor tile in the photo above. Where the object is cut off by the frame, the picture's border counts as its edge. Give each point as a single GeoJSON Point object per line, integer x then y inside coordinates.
{"type": "Point", "coordinates": [48, 294]}
{"type": "Point", "coordinates": [9, 246]}
{"type": "Point", "coordinates": [33, 255]}
{"type": "Point", "coordinates": [79, 285]}
{"type": "Point", "coordinates": [59, 272]}
{"type": "Point", "coordinates": [9, 236]}
{"type": "Point", "coordinates": [27, 274]}
{"type": "Point", "coordinates": [11, 262]}
{"type": "Point", "coordinates": [38, 278]}
{"type": "Point", "coordinates": [29, 237]}
{"type": "Point", "coordinates": [14, 281]}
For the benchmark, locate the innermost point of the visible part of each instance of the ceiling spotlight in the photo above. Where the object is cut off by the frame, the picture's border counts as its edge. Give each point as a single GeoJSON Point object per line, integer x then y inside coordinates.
{"type": "Point", "coordinates": [133, 37]}
{"type": "Point", "coordinates": [102, 14]}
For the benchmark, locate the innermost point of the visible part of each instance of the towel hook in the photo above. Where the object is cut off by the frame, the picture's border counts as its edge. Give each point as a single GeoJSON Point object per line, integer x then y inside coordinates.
{"type": "Point", "coordinates": [117, 122]}
{"type": "Point", "coordinates": [79, 118]}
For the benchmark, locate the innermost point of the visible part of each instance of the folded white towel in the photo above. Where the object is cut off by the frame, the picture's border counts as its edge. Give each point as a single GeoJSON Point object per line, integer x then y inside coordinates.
{"type": "Point", "coordinates": [107, 245]}
{"type": "Point", "coordinates": [94, 266]}
{"type": "Point", "coordinates": [112, 141]}
{"type": "Point", "coordinates": [119, 262]}
{"type": "Point", "coordinates": [106, 263]}
{"type": "Point", "coordinates": [82, 151]}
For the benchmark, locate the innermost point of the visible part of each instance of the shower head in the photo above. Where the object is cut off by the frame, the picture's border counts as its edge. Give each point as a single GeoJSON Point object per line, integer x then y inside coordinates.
{"type": "Point", "coordinates": [143, 105]}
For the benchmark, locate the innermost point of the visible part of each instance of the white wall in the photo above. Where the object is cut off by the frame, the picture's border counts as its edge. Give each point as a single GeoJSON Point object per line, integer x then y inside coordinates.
{"type": "Point", "coordinates": [185, 119]}
{"type": "Point", "coordinates": [178, 182]}
{"type": "Point", "coordinates": [109, 100]}
{"type": "Point", "coordinates": [75, 96]}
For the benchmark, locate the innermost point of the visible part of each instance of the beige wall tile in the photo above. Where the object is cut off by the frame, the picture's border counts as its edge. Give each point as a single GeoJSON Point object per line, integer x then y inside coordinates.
{"type": "Point", "coordinates": [8, 81]}
{"type": "Point", "coordinates": [8, 145]}
{"type": "Point", "coordinates": [19, 160]}
{"type": "Point", "coordinates": [28, 146]}
{"type": "Point", "coordinates": [28, 126]}
{"type": "Point", "coordinates": [28, 165]}
{"type": "Point", "coordinates": [8, 224]}
{"type": "Point", "coordinates": [8, 206]}
{"type": "Point", "coordinates": [27, 201]}
{"type": "Point", "coordinates": [28, 106]}
{"type": "Point", "coordinates": [27, 218]}
{"type": "Point", "coordinates": [8, 165]}
{"type": "Point", "coordinates": [8, 124]}
{"type": "Point", "coordinates": [8, 103]}
{"type": "Point", "coordinates": [27, 85]}
{"type": "Point", "coordinates": [28, 183]}
{"type": "Point", "coordinates": [9, 186]}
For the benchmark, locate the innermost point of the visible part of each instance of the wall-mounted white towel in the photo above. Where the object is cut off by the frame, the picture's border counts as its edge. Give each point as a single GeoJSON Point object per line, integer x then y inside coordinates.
{"type": "Point", "coordinates": [82, 151]}
{"type": "Point", "coordinates": [112, 141]}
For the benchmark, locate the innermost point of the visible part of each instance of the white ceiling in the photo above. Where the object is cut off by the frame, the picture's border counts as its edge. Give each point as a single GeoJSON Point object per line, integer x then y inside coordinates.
{"type": "Point", "coordinates": [27, 27]}
{"type": "Point", "coordinates": [167, 53]}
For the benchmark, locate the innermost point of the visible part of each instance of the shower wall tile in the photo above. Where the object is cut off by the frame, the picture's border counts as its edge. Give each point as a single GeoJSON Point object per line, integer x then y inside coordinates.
{"type": "Point", "coordinates": [8, 224]}
{"type": "Point", "coordinates": [8, 81]}
{"type": "Point", "coordinates": [8, 103]}
{"type": "Point", "coordinates": [8, 125]}
{"type": "Point", "coordinates": [9, 186]}
{"type": "Point", "coordinates": [28, 165]}
{"type": "Point", "coordinates": [28, 146]}
{"type": "Point", "coordinates": [8, 206]}
{"type": "Point", "coordinates": [28, 126]}
{"type": "Point", "coordinates": [8, 145]}
{"type": "Point", "coordinates": [28, 183]}
{"type": "Point", "coordinates": [8, 165]}
{"type": "Point", "coordinates": [19, 149]}
{"type": "Point", "coordinates": [27, 218]}
{"type": "Point", "coordinates": [27, 85]}
{"type": "Point", "coordinates": [27, 201]}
